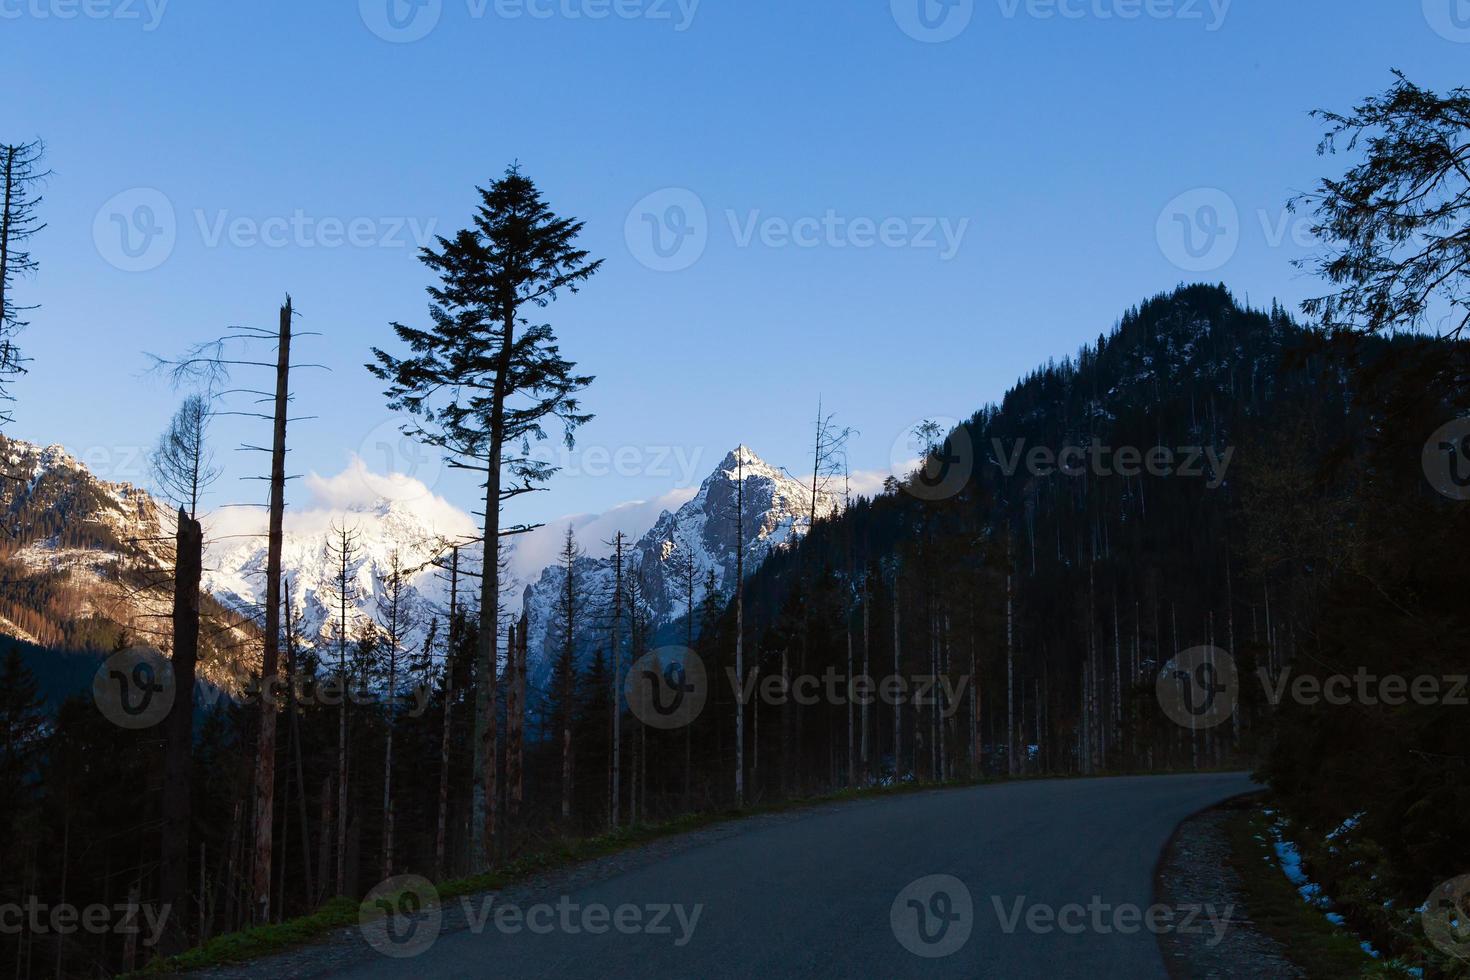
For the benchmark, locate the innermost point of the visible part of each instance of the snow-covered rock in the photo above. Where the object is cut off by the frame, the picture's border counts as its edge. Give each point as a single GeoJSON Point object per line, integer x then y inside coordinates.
{"type": "Point", "coordinates": [777, 511]}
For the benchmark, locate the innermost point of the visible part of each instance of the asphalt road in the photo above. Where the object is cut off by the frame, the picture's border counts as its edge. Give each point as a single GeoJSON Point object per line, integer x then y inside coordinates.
{"type": "Point", "coordinates": [1044, 879]}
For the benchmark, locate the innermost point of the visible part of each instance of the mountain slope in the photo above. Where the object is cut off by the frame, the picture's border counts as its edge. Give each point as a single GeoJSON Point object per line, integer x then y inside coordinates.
{"type": "Point", "coordinates": [776, 513]}
{"type": "Point", "coordinates": [84, 562]}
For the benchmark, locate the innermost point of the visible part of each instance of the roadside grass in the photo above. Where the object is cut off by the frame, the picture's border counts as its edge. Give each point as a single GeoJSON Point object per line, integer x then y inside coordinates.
{"type": "Point", "coordinates": [1322, 951]}
{"type": "Point", "coordinates": [552, 855]}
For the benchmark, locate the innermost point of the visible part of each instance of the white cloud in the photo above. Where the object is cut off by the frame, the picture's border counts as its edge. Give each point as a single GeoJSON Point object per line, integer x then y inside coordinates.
{"type": "Point", "coordinates": [869, 483]}
{"type": "Point", "coordinates": [355, 490]}
{"type": "Point", "coordinates": [341, 500]}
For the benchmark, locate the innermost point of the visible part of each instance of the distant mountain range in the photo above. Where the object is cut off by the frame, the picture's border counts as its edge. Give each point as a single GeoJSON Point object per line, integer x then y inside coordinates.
{"type": "Point", "coordinates": [83, 550]}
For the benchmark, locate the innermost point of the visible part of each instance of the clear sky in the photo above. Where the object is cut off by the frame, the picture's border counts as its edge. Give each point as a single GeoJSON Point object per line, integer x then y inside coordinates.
{"type": "Point", "coordinates": [900, 208]}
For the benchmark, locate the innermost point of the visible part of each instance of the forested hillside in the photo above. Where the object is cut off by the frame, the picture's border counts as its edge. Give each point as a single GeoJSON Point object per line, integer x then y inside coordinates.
{"type": "Point", "coordinates": [1308, 542]}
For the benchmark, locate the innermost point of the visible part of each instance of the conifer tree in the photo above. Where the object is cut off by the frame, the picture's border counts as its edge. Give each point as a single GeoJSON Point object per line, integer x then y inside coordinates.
{"type": "Point", "coordinates": [480, 382]}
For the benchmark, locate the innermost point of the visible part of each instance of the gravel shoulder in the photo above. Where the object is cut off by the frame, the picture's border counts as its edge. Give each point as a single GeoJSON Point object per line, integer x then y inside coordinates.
{"type": "Point", "coordinates": [1197, 868]}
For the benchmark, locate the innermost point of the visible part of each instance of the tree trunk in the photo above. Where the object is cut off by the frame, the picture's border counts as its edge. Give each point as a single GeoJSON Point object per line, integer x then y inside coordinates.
{"type": "Point", "coordinates": [173, 879]}
{"type": "Point", "coordinates": [567, 692]}
{"type": "Point", "coordinates": [296, 753]}
{"type": "Point", "coordinates": [487, 726]}
{"type": "Point", "coordinates": [265, 759]}
{"type": "Point", "coordinates": [851, 744]}
{"type": "Point", "coordinates": [1010, 670]}
{"type": "Point", "coordinates": [440, 831]}
{"type": "Point", "coordinates": [515, 720]}
{"type": "Point", "coordinates": [617, 691]}
{"type": "Point", "coordinates": [897, 702]}
{"type": "Point", "coordinates": [391, 721]}
{"type": "Point", "coordinates": [324, 846]}
{"type": "Point", "coordinates": [867, 645]}
{"type": "Point", "coordinates": [740, 623]}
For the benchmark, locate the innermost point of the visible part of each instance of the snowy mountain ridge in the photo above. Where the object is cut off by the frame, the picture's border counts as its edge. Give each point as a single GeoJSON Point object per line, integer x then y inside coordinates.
{"type": "Point", "coordinates": [777, 511]}
{"type": "Point", "coordinates": [77, 524]}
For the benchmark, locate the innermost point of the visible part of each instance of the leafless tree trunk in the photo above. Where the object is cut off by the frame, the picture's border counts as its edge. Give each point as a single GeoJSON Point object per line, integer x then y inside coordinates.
{"type": "Point", "coordinates": [393, 618]}
{"type": "Point", "coordinates": [515, 721]}
{"type": "Point", "coordinates": [265, 763]}
{"type": "Point", "coordinates": [342, 551]}
{"type": "Point", "coordinates": [897, 702]}
{"type": "Point", "coordinates": [174, 867]}
{"type": "Point", "coordinates": [291, 675]}
{"type": "Point", "coordinates": [740, 623]}
{"type": "Point", "coordinates": [441, 831]}
{"type": "Point", "coordinates": [617, 691]}
{"type": "Point", "coordinates": [569, 555]}
{"type": "Point", "coordinates": [1010, 668]}
{"type": "Point", "coordinates": [867, 646]}
{"type": "Point", "coordinates": [851, 743]}
{"type": "Point", "coordinates": [324, 845]}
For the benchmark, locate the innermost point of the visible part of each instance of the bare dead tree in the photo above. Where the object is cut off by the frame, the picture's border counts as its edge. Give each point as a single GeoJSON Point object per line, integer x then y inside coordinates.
{"type": "Point", "coordinates": [829, 456]}
{"type": "Point", "coordinates": [450, 652]}
{"type": "Point", "coordinates": [182, 461]}
{"type": "Point", "coordinates": [344, 558]}
{"type": "Point", "coordinates": [265, 757]}
{"type": "Point", "coordinates": [566, 667]}
{"type": "Point", "coordinates": [394, 620]}
{"type": "Point", "coordinates": [207, 367]}
{"type": "Point", "coordinates": [740, 622]}
{"type": "Point", "coordinates": [179, 737]}
{"type": "Point", "coordinates": [515, 720]}
{"type": "Point", "coordinates": [21, 174]}
{"type": "Point", "coordinates": [686, 574]}
{"type": "Point", "coordinates": [615, 757]}
{"type": "Point", "coordinates": [293, 667]}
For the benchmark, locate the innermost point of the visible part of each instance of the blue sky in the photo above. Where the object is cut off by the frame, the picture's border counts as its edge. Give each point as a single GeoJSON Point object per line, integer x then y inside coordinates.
{"type": "Point", "coordinates": [848, 204]}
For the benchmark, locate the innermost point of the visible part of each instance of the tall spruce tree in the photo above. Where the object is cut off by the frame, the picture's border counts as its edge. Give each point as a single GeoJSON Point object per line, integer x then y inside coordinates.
{"type": "Point", "coordinates": [479, 383]}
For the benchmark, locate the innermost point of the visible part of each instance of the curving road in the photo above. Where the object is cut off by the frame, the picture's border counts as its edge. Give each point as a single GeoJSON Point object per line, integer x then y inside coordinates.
{"type": "Point", "coordinates": [849, 891]}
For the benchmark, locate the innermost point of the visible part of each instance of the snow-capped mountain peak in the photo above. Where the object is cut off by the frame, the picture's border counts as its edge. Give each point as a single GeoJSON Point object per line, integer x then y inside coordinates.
{"type": "Point", "coordinates": [774, 509]}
